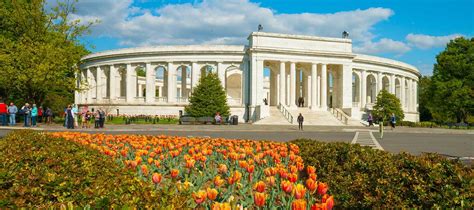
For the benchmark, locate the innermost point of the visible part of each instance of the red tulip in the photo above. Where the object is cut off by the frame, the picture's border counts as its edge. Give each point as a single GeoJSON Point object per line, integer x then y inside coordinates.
{"type": "Point", "coordinates": [174, 173]}
{"type": "Point", "coordinates": [259, 199]}
{"type": "Point", "coordinates": [299, 191]}
{"type": "Point", "coordinates": [311, 185]}
{"type": "Point", "coordinates": [156, 178]}
{"type": "Point", "coordinates": [200, 196]}
{"type": "Point", "coordinates": [310, 169]}
{"type": "Point", "coordinates": [322, 188]}
{"type": "Point", "coordinates": [286, 186]}
{"type": "Point", "coordinates": [259, 186]}
{"type": "Point", "coordinates": [293, 177]}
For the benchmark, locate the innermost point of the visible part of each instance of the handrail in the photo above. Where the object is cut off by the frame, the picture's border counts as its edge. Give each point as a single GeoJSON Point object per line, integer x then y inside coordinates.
{"type": "Point", "coordinates": [340, 115]}
{"type": "Point", "coordinates": [285, 113]}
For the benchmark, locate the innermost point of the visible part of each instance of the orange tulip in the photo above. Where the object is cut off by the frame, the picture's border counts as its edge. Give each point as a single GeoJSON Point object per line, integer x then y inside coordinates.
{"type": "Point", "coordinates": [322, 188]}
{"type": "Point", "coordinates": [243, 164]}
{"type": "Point", "coordinates": [200, 196]}
{"type": "Point", "coordinates": [311, 185]}
{"type": "Point", "coordinates": [267, 171]}
{"type": "Point", "coordinates": [313, 176]}
{"type": "Point", "coordinates": [259, 186]}
{"type": "Point", "coordinates": [250, 169]}
{"type": "Point", "coordinates": [144, 170]}
{"type": "Point", "coordinates": [190, 163]}
{"type": "Point", "coordinates": [293, 177]}
{"type": "Point", "coordinates": [286, 186]}
{"type": "Point", "coordinates": [293, 169]}
{"type": "Point", "coordinates": [271, 180]}
{"type": "Point", "coordinates": [156, 178]}
{"type": "Point", "coordinates": [150, 160]}
{"type": "Point", "coordinates": [299, 191]}
{"type": "Point", "coordinates": [222, 168]}
{"type": "Point", "coordinates": [300, 166]}
{"type": "Point", "coordinates": [310, 169]}
{"type": "Point", "coordinates": [328, 200]}
{"type": "Point", "coordinates": [259, 199]}
{"type": "Point", "coordinates": [133, 164]}
{"type": "Point", "coordinates": [218, 181]}
{"type": "Point", "coordinates": [319, 206]}
{"type": "Point", "coordinates": [299, 204]}
{"type": "Point", "coordinates": [221, 206]}
{"type": "Point", "coordinates": [235, 177]}
{"type": "Point", "coordinates": [174, 173]}
{"type": "Point", "coordinates": [212, 193]}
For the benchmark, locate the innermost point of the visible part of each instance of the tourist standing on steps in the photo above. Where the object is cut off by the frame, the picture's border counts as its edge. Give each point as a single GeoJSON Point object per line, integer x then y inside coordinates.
{"type": "Point", "coordinates": [34, 115]}
{"type": "Point", "coordinates": [370, 119]}
{"type": "Point", "coordinates": [393, 121]}
{"type": "Point", "coordinates": [12, 110]}
{"type": "Point", "coordinates": [300, 122]}
{"type": "Point", "coordinates": [3, 113]}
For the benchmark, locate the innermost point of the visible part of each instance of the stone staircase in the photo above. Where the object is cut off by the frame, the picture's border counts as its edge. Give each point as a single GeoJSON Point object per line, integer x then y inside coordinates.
{"type": "Point", "coordinates": [275, 118]}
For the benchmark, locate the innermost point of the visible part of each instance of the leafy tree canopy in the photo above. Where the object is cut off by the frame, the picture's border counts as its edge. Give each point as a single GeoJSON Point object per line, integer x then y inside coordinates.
{"type": "Point", "coordinates": [452, 85]}
{"type": "Point", "coordinates": [40, 51]}
{"type": "Point", "coordinates": [387, 104]}
{"type": "Point", "coordinates": [208, 98]}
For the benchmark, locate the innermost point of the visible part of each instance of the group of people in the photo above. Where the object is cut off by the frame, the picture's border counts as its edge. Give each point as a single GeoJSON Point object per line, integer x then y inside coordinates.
{"type": "Point", "coordinates": [31, 114]}
{"type": "Point", "coordinates": [393, 120]}
{"type": "Point", "coordinates": [72, 116]}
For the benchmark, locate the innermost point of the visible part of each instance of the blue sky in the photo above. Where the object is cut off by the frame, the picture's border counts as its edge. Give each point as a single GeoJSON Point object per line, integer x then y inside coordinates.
{"type": "Point", "coordinates": [409, 31]}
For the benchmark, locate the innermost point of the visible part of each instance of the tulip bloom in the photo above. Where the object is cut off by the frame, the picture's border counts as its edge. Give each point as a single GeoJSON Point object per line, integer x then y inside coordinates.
{"type": "Point", "coordinates": [221, 206]}
{"type": "Point", "coordinates": [322, 188]}
{"type": "Point", "coordinates": [190, 163]}
{"type": "Point", "coordinates": [200, 196]}
{"type": "Point", "coordinates": [319, 206]}
{"type": "Point", "coordinates": [286, 186]}
{"type": "Point", "coordinates": [311, 185]}
{"type": "Point", "coordinates": [250, 169]}
{"type": "Point", "coordinates": [313, 176]}
{"type": "Point", "coordinates": [174, 173]}
{"type": "Point", "coordinates": [328, 200]}
{"type": "Point", "coordinates": [299, 204]}
{"type": "Point", "coordinates": [311, 169]}
{"type": "Point", "coordinates": [259, 199]}
{"type": "Point", "coordinates": [218, 181]}
{"type": "Point", "coordinates": [299, 191]}
{"type": "Point", "coordinates": [211, 193]}
{"type": "Point", "coordinates": [271, 180]}
{"type": "Point", "coordinates": [293, 178]}
{"type": "Point", "coordinates": [259, 186]}
{"type": "Point", "coordinates": [144, 170]}
{"type": "Point", "coordinates": [222, 168]}
{"type": "Point", "coordinates": [156, 178]}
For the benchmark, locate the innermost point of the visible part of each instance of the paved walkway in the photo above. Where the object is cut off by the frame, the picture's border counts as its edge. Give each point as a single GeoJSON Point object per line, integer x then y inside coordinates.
{"type": "Point", "coordinates": [366, 138]}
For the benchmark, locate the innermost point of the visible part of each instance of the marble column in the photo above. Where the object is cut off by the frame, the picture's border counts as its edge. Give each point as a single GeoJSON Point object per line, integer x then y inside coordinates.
{"type": "Point", "coordinates": [363, 89]}
{"type": "Point", "coordinates": [314, 87]}
{"type": "Point", "coordinates": [292, 85]}
{"type": "Point", "coordinates": [171, 83]}
{"type": "Point", "coordinates": [99, 79]}
{"type": "Point", "coordinates": [392, 83]}
{"type": "Point", "coordinates": [403, 93]}
{"type": "Point", "coordinates": [259, 85]}
{"type": "Point", "coordinates": [282, 83]}
{"type": "Point", "coordinates": [278, 90]}
{"type": "Point", "coordinates": [221, 73]}
{"type": "Point", "coordinates": [415, 96]}
{"type": "Point", "coordinates": [150, 85]}
{"type": "Point", "coordinates": [324, 80]}
{"type": "Point", "coordinates": [184, 81]}
{"type": "Point", "coordinates": [346, 89]}
{"type": "Point", "coordinates": [194, 75]}
{"type": "Point", "coordinates": [90, 84]}
{"type": "Point", "coordinates": [113, 83]}
{"type": "Point", "coordinates": [129, 82]}
{"type": "Point", "coordinates": [308, 99]}
{"type": "Point", "coordinates": [379, 84]}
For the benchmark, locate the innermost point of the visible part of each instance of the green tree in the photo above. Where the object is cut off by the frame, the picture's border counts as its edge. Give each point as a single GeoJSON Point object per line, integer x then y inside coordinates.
{"type": "Point", "coordinates": [208, 98]}
{"type": "Point", "coordinates": [424, 97]}
{"type": "Point", "coordinates": [40, 51]}
{"type": "Point", "coordinates": [452, 85]}
{"type": "Point", "coordinates": [387, 104]}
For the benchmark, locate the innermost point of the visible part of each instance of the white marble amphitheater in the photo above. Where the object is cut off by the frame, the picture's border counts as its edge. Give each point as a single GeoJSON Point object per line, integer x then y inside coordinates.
{"type": "Point", "coordinates": [338, 86]}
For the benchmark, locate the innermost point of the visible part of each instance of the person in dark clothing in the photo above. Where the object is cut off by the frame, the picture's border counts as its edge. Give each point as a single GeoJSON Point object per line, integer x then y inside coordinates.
{"type": "Point", "coordinates": [370, 119]}
{"type": "Point", "coordinates": [300, 122]}
{"type": "Point", "coordinates": [393, 120]}
{"type": "Point", "coordinates": [101, 118]}
{"type": "Point", "coordinates": [70, 117]}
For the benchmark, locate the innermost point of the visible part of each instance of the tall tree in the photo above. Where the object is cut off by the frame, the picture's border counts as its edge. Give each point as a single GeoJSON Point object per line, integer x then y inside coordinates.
{"type": "Point", "coordinates": [387, 104]}
{"type": "Point", "coordinates": [40, 51]}
{"type": "Point", "coordinates": [424, 98]}
{"type": "Point", "coordinates": [452, 85]}
{"type": "Point", "coordinates": [208, 98]}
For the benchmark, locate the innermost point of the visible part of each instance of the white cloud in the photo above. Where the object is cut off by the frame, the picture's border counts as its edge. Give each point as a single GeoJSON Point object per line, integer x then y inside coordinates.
{"type": "Point", "coordinates": [218, 22]}
{"type": "Point", "coordinates": [423, 41]}
{"type": "Point", "coordinates": [383, 46]}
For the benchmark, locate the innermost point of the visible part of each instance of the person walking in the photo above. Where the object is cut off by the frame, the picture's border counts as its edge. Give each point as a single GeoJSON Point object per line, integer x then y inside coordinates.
{"type": "Point", "coordinates": [96, 119]}
{"type": "Point", "coordinates": [393, 120]}
{"type": "Point", "coordinates": [40, 114]}
{"type": "Point", "coordinates": [101, 118]}
{"type": "Point", "coordinates": [370, 119]}
{"type": "Point", "coordinates": [3, 113]}
{"type": "Point", "coordinates": [26, 114]}
{"type": "Point", "coordinates": [70, 117]}
{"type": "Point", "coordinates": [12, 110]}
{"type": "Point", "coordinates": [88, 117]}
{"type": "Point", "coordinates": [49, 115]}
{"type": "Point", "coordinates": [34, 115]}
{"type": "Point", "coordinates": [300, 122]}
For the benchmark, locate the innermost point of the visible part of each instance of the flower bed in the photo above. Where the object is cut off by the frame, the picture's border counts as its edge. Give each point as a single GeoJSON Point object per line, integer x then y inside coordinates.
{"type": "Point", "coordinates": [216, 173]}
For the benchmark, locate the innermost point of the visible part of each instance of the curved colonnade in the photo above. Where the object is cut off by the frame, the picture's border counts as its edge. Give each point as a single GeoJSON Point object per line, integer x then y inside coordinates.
{"type": "Point", "coordinates": [273, 69]}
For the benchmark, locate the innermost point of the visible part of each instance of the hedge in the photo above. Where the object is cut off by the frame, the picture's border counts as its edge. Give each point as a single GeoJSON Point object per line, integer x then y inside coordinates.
{"type": "Point", "coordinates": [39, 171]}
{"type": "Point", "coordinates": [361, 177]}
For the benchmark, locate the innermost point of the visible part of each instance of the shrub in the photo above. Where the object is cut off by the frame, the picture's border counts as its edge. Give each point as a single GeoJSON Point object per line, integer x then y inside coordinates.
{"type": "Point", "coordinates": [208, 98]}
{"type": "Point", "coordinates": [39, 171]}
{"type": "Point", "coordinates": [361, 177]}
